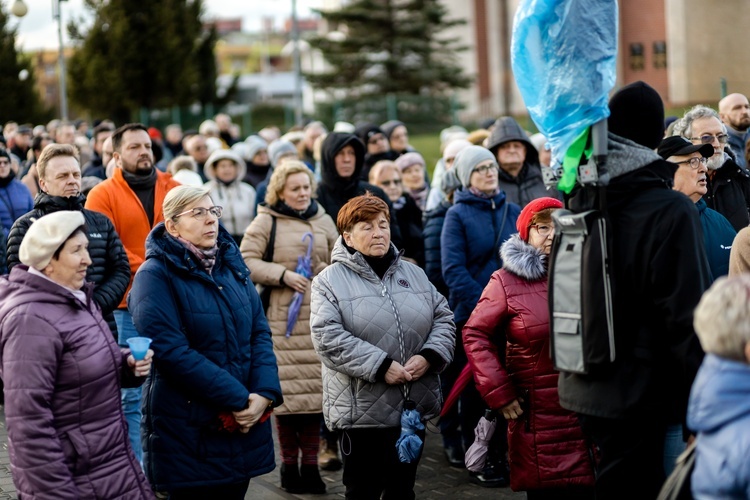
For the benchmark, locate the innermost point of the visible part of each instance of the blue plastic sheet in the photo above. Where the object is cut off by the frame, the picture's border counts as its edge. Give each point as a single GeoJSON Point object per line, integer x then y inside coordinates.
{"type": "Point", "coordinates": [409, 445]}
{"type": "Point", "coordinates": [564, 56]}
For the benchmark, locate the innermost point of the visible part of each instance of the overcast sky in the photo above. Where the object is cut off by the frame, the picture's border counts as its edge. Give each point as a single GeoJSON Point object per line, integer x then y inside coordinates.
{"type": "Point", "coordinates": [38, 30]}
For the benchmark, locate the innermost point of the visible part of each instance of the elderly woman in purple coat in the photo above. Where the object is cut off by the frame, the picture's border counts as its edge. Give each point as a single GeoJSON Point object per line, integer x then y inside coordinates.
{"type": "Point", "coordinates": [63, 371]}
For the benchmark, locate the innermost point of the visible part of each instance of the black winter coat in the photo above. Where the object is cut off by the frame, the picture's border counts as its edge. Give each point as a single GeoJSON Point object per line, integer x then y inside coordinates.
{"type": "Point", "coordinates": [410, 225]}
{"type": "Point", "coordinates": [660, 271]}
{"type": "Point", "coordinates": [109, 269]}
{"type": "Point", "coordinates": [433, 227]}
{"type": "Point", "coordinates": [729, 194]}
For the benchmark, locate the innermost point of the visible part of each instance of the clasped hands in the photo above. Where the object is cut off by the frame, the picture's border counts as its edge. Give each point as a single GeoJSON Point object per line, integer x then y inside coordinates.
{"type": "Point", "coordinates": [415, 367]}
{"type": "Point", "coordinates": [256, 406]}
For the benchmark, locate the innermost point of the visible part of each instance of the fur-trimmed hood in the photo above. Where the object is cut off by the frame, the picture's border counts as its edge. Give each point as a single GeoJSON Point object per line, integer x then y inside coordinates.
{"type": "Point", "coordinates": [522, 259]}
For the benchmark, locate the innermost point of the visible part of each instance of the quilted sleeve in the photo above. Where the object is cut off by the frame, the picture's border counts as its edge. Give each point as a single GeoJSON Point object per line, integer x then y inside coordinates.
{"type": "Point", "coordinates": [338, 348]}
{"type": "Point", "coordinates": [442, 339]}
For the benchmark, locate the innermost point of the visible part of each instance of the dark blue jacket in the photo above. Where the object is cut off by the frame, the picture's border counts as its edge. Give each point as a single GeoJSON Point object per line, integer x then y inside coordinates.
{"type": "Point", "coordinates": [15, 200]}
{"type": "Point", "coordinates": [473, 232]}
{"type": "Point", "coordinates": [212, 348]}
{"type": "Point", "coordinates": [718, 234]}
{"type": "Point", "coordinates": [433, 227]}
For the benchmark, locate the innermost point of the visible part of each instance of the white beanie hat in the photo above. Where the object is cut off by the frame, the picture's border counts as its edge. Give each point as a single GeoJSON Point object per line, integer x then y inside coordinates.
{"type": "Point", "coordinates": [46, 235]}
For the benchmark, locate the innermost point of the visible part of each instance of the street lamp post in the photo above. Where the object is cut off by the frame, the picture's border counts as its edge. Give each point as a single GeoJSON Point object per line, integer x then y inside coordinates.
{"type": "Point", "coordinates": [297, 69]}
{"type": "Point", "coordinates": [19, 9]}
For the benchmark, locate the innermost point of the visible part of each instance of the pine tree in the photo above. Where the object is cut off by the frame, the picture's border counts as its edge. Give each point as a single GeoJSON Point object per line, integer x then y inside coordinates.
{"type": "Point", "coordinates": [19, 100]}
{"type": "Point", "coordinates": [141, 54]}
{"type": "Point", "coordinates": [390, 46]}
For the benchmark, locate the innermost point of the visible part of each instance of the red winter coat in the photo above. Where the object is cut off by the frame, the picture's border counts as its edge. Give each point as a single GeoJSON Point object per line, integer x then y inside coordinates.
{"type": "Point", "coordinates": [546, 444]}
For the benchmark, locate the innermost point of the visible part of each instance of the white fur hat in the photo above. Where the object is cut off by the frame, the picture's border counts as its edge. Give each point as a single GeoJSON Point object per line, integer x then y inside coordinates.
{"type": "Point", "coordinates": [46, 235]}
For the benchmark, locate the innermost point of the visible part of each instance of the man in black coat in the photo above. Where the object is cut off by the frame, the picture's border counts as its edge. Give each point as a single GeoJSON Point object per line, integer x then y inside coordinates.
{"type": "Point", "coordinates": [659, 272]}
{"type": "Point", "coordinates": [60, 189]}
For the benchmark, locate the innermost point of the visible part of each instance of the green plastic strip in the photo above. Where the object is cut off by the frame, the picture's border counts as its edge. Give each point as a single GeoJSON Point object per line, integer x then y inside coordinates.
{"type": "Point", "coordinates": [572, 160]}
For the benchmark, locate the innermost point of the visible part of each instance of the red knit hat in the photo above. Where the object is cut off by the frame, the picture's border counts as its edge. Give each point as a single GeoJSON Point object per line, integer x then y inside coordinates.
{"type": "Point", "coordinates": [533, 207]}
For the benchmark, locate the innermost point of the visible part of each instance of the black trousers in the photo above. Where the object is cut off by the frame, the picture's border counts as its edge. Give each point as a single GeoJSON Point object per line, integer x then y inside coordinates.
{"type": "Point", "coordinates": [234, 491]}
{"type": "Point", "coordinates": [576, 493]}
{"type": "Point", "coordinates": [631, 462]}
{"type": "Point", "coordinates": [372, 467]}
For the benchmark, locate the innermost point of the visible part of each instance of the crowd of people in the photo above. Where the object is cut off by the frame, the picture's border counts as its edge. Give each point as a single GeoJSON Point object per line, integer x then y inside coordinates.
{"type": "Point", "coordinates": [333, 283]}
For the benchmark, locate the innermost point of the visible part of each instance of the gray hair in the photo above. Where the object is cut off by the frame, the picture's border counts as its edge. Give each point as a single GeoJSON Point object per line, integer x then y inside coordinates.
{"type": "Point", "coordinates": [684, 126]}
{"type": "Point", "coordinates": [183, 162]}
{"type": "Point", "coordinates": [180, 197]}
{"type": "Point", "coordinates": [722, 318]}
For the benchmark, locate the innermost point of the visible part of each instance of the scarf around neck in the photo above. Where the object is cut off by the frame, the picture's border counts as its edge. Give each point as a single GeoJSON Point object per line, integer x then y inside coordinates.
{"type": "Point", "coordinates": [207, 258]}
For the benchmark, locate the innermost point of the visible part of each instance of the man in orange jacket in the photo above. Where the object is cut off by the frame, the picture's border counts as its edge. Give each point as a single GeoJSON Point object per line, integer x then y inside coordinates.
{"type": "Point", "coordinates": [132, 199]}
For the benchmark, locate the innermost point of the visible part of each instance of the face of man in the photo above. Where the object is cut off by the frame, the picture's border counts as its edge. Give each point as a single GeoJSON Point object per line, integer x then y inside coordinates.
{"type": "Point", "coordinates": [734, 110]}
{"type": "Point", "coordinates": [99, 141]}
{"type": "Point", "coordinates": [62, 177]}
{"type": "Point", "coordinates": [174, 134]}
{"type": "Point", "coordinates": [107, 150]}
{"type": "Point", "coordinates": [510, 156]}
{"type": "Point", "coordinates": [346, 161]}
{"type": "Point", "coordinates": [135, 155]}
{"type": "Point", "coordinates": [66, 135]}
{"type": "Point", "coordinates": [710, 128]}
{"type": "Point", "coordinates": [22, 140]}
{"type": "Point", "coordinates": [690, 177]}
{"type": "Point", "coordinates": [311, 134]}
{"type": "Point", "coordinates": [4, 167]}
{"type": "Point", "coordinates": [197, 148]}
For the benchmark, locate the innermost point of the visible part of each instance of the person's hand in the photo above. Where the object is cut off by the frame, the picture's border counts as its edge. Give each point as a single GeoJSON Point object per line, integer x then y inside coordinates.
{"type": "Point", "coordinates": [256, 406]}
{"type": "Point", "coordinates": [143, 367]}
{"type": "Point", "coordinates": [296, 281]}
{"type": "Point", "coordinates": [512, 410]}
{"type": "Point", "coordinates": [397, 374]}
{"type": "Point", "coordinates": [417, 365]}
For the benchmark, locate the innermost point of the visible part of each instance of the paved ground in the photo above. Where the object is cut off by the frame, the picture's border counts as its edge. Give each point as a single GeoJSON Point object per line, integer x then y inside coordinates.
{"type": "Point", "coordinates": [435, 479]}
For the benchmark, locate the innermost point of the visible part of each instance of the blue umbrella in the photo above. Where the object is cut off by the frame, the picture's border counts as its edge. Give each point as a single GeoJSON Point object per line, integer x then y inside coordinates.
{"type": "Point", "coordinates": [304, 267]}
{"type": "Point", "coordinates": [409, 445]}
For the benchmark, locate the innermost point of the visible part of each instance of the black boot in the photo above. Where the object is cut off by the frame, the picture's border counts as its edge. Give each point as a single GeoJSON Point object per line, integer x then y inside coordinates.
{"type": "Point", "coordinates": [290, 480]}
{"type": "Point", "coordinates": [311, 481]}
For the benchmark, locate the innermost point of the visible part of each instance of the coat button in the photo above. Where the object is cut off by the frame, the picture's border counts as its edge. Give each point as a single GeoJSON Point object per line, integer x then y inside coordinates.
{"type": "Point", "coordinates": [221, 287]}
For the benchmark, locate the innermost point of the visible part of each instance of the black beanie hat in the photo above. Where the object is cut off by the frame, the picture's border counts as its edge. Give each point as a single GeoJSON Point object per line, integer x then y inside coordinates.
{"type": "Point", "coordinates": [637, 113]}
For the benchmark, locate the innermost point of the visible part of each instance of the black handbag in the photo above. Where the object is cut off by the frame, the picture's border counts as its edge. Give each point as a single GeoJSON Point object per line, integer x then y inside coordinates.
{"type": "Point", "coordinates": [265, 290]}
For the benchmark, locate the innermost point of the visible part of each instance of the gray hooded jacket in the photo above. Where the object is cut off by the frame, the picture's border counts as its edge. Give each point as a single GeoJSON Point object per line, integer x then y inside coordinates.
{"type": "Point", "coordinates": [358, 320]}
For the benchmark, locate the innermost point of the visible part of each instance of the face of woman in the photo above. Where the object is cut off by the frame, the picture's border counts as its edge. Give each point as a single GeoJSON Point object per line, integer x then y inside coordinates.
{"type": "Point", "coordinates": [226, 170]}
{"type": "Point", "coordinates": [541, 236]}
{"type": "Point", "coordinates": [484, 177]}
{"type": "Point", "coordinates": [69, 269]}
{"type": "Point", "coordinates": [261, 157]}
{"type": "Point", "coordinates": [199, 227]}
{"type": "Point", "coordinates": [371, 238]}
{"type": "Point", "coordinates": [297, 191]}
{"type": "Point", "coordinates": [390, 181]}
{"type": "Point", "coordinates": [399, 138]}
{"type": "Point", "coordinates": [414, 177]}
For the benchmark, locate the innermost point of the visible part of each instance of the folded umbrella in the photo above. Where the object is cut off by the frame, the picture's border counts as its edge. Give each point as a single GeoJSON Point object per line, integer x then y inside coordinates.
{"type": "Point", "coordinates": [304, 267]}
{"type": "Point", "coordinates": [409, 445]}
{"type": "Point", "coordinates": [459, 385]}
{"type": "Point", "coordinates": [476, 455]}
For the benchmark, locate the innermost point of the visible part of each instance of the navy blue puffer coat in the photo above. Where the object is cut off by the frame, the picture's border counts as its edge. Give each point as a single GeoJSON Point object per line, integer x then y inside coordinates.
{"type": "Point", "coordinates": [212, 348]}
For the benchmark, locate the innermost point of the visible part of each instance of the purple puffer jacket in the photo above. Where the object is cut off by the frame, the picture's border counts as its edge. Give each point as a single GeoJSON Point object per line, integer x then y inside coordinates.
{"type": "Point", "coordinates": [62, 371]}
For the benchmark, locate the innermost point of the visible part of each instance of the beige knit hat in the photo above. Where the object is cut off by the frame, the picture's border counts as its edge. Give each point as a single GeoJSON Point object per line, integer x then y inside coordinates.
{"type": "Point", "coordinates": [46, 235]}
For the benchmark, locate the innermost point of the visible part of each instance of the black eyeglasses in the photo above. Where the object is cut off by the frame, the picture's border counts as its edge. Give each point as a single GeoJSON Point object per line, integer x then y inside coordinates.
{"type": "Point", "coordinates": [395, 182]}
{"type": "Point", "coordinates": [708, 138]}
{"type": "Point", "coordinates": [694, 163]}
{"type": "Point", "coordinates": [200, 213]}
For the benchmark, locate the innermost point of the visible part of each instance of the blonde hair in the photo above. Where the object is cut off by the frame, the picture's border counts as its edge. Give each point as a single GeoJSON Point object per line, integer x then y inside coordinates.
{"type": "Point", "coordinates": [180, 197]}
{"type": "Point", "coordinates": [722, 318]}
{"type": "Point", "coordinates": [278, 179]}
{"type": "Point", "coordinates": [380, 168]}
{"type": "Point", "coordinates": [52, 151]}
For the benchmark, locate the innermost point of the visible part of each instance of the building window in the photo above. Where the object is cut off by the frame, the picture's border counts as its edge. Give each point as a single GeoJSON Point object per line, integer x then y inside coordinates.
{"type": "Point", "coordinates": [660, 55]}
{"type": "Point", "coordinates": [637, 60]}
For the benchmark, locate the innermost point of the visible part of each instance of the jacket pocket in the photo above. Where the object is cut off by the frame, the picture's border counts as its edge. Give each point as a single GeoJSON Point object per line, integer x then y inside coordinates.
{"type": "Point", "coordinates": [76, 451]}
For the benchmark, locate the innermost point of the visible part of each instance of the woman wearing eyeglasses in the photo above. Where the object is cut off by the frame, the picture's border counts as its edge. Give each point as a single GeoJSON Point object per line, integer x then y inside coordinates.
{"type": "Point", "coordinates": [507, 343]}
{"type": "Point", "coordinates": [475, 227]}
{"type": "Point", "coordinates": [205, 431]}
{"type": "Point", "coordinates": [386, 175]}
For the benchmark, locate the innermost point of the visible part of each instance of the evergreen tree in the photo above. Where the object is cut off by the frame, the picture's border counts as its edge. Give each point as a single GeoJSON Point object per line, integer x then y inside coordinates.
{"type": "Point", "coordinates": [141, 54]}
{"type": "Point", "coordinates": [389, 46]}
{"type": "Point", "coordinates": [19, 100]}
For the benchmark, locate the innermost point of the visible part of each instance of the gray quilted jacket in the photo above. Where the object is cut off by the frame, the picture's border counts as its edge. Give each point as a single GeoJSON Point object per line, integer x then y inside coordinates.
{"type": "Point", "coordinates": [357, 320]}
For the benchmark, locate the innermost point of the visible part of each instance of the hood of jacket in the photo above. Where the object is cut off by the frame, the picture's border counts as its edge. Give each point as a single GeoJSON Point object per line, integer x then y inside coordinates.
{"type": "Point", "coordinates": [48, 203]}
{"type": "Point", "coordinates": [209, 169]}
{"type": "Point", "coordinates": [522, 259]}
{"type": "Point", "coordinates": [357, 263]}
{"type": "Point", "coordinates": [463, 195]}
{"type": "Point", "coordinates": [160, 246]}
{"type": "Point", "coordinates": [720, 394]}
{"type": "Point", "coordinates": [333, 143]}
{"type": "Point", "coordinates": [507, 129]}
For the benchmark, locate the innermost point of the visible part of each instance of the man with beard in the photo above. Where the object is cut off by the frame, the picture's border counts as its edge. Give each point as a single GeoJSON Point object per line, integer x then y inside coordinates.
{"type": "Point", "coordinates": [728, 183]}
{"type": "Point", "coordinates": [734, 111]}
{"type": "Point", "coordinates": [60, 189]}
{"type": "Point", "coordinates": [132, 199]}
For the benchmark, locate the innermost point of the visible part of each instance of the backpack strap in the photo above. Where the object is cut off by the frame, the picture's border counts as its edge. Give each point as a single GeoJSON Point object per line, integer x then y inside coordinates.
{"type": "Point", "coordinates": [268, 254]}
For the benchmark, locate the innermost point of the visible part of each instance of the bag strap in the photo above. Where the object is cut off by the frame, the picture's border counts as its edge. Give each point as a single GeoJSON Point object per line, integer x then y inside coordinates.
{"type": "Point", "coordinates": [496, 248]}
{"type": "Point", "coordinates": [268, 254]}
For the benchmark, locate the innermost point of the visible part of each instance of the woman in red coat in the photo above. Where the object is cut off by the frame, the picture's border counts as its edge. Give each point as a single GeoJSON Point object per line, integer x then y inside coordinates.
{"type": "Point", "coordinates": [548, 455]}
